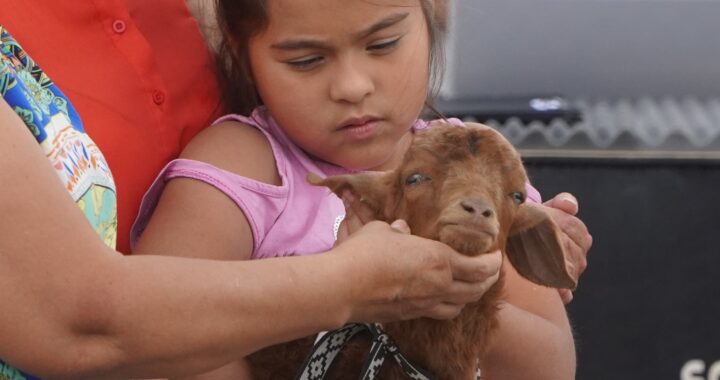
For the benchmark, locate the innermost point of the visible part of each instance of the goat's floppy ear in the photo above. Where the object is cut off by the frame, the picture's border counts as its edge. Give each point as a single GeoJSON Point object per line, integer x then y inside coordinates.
{"type": "Point", "coordinates": [536, 251]}
{"type": "Point", "coordinates": [364, 193]}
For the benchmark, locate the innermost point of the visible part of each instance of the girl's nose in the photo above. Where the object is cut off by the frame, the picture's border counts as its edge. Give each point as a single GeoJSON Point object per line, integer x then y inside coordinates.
{"type": "Point", "coordinates": [352, 83]}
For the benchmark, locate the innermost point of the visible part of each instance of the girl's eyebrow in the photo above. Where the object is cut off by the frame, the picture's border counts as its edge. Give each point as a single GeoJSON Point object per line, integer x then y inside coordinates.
{"type": "Point", "coordinates": [302, 43]}
{"type": "Point", "coordinates": [380, 25]}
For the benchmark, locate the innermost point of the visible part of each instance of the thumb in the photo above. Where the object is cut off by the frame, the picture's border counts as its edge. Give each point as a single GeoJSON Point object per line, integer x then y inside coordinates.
{"type": "Point", "coordinates": [400, 226]}
{"type": "Point", "coordinates": [565, 202]}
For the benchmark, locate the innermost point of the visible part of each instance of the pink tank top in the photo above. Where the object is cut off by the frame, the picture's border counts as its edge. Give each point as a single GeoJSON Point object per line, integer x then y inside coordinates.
{"type": "Point", "coordinates": [294, 218]}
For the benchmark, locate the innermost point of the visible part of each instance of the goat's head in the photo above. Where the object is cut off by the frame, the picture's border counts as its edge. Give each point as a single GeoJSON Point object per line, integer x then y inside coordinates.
{"type": "Point", "coordinates": [466, 188]}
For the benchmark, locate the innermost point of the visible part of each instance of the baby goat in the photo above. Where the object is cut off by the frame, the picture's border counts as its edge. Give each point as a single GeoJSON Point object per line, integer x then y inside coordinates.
{"type": "Point", "coordinates": [464, 187]}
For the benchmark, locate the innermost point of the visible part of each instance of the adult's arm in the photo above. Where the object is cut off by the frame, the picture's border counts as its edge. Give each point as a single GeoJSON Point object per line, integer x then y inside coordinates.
{"type": "Point", "coordinates": [73, 308]}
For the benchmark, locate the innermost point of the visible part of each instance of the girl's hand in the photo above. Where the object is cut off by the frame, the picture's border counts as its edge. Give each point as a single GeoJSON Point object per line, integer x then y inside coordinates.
{"type": "Point", "coordinates": [399, 276]}
{"type": "Point", "coordinates": [577, 240]}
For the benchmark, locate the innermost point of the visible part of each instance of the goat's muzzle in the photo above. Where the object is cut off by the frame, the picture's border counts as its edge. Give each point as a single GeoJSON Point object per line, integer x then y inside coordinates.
{"type": "Point", "coordinates": [470, 226]}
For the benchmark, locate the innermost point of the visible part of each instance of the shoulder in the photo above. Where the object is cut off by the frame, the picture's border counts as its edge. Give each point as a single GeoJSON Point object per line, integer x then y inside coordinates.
{"type": "Point", "coordinates": [237, 148]}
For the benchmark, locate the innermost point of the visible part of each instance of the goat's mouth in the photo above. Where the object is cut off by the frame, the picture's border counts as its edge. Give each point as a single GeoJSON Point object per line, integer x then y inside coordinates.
{"type": "Point", "coordinates": [468, 238]}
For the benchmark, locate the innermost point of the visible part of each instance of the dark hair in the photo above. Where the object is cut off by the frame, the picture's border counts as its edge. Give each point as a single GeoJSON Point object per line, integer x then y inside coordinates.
{"type": "Point", "coordinates": [240, 20]}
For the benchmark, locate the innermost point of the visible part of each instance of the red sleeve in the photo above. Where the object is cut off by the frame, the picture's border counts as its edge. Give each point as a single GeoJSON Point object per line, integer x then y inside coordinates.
{"type": "Point", "coordinates": [138, 73]}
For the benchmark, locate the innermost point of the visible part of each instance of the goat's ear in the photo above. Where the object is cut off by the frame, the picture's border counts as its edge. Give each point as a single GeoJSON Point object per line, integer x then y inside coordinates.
{"type": "Point", "coordinates": [536, 251]}
{"type": "Point", "coordinates": [365, 193]}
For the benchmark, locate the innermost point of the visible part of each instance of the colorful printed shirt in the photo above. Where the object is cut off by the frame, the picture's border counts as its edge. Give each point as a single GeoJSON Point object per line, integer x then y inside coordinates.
{"type": "Point", "coordinates": [53, 121]}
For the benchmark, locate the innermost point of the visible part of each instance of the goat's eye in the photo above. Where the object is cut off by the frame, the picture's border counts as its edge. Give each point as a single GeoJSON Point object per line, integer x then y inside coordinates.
{"type": "Point", "coordinates": [517, 197]}
{"type": "Point", "coordinates": [415, 179]}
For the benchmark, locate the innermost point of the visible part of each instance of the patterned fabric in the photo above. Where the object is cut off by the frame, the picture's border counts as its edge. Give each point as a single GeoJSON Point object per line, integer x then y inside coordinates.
{"type": "Point", "coordinates": [323, 354]}
{"type": "Point", "coordinates": [326, 349]}
{"type": "Point", "coordinates": [56, 126]}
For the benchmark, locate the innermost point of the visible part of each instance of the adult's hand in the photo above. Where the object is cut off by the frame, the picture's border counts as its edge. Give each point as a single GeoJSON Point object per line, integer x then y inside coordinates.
{"type": "Point", "coordinates": [399, 276]}
{"type": "Point", "coordinates": [577, 241]}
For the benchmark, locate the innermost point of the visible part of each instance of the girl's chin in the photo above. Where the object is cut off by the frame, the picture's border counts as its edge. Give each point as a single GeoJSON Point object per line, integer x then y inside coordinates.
{"type": "Point", "coordinates": [367, 158]}
{"type": "Point", "coordinates": [377, 162]}
{"type": "Point", "coordinates": [365, 163]}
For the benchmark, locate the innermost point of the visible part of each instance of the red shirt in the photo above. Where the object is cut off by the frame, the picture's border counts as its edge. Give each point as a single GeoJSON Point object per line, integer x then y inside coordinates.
{"type": "Point", "coordinates": [137, 71]}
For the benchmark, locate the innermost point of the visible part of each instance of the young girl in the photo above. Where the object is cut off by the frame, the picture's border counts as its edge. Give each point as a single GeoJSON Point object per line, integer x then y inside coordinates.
{"type": "Point", "coordinates": [331, 86]}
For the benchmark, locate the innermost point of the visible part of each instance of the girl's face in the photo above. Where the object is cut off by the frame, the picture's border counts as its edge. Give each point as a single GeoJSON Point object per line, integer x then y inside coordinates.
{"type": "Point", "coordinates": [345, 79]}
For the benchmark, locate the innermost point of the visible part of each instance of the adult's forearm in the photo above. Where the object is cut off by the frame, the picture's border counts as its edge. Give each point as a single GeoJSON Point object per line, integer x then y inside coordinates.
{"type": "Point", "coordinates": [154, 316]}
{"type": "Point", "coordinates": [244, 306]}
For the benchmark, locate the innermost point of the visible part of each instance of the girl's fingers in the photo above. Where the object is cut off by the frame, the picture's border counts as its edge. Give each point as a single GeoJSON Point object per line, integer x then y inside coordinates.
{"type": "Point", "coordinates": [565, 202]}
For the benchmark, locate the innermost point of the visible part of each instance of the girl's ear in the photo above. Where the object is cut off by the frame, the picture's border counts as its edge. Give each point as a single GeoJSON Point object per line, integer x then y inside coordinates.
{"type": "Point", "coordinates": [535, 249]}
{"type": "Point", "coordinates": [366, 194]}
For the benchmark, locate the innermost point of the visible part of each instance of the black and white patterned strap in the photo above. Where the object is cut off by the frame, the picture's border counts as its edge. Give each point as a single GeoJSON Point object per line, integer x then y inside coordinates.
{"type": "Point", "coordinates": [325, 351]}
{"type": "Point", "coordinates": [382, 345]}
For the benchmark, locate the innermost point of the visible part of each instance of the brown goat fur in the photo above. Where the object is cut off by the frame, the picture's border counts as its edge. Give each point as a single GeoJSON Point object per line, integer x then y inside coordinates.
{"type": "Point", "coordinates": [464, 187]}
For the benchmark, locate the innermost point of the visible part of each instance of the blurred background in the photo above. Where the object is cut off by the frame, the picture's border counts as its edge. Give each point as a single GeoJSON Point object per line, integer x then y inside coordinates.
{"type": "Point", "coordinates": [618, 102]}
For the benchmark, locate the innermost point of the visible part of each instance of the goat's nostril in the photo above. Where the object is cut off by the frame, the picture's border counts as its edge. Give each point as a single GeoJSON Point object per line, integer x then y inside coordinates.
{"type": "Point", "coordinates": [468, 207]}
{"type": "Point", "coordinates": [475, 206]}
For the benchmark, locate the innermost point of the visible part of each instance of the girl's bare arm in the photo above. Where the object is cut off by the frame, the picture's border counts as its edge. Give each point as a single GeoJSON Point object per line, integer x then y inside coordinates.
{"type": "Point", "coordinates": [535, 338]}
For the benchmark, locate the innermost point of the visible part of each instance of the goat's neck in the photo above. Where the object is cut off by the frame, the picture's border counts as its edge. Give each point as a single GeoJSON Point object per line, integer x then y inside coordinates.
{"type": "Point", "coordinates": [450, 349]}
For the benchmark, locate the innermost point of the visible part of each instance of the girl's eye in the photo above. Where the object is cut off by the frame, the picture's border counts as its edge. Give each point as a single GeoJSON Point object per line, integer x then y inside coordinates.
{"type": "Point", "coordinates": [517, 197]}
{"type": "Point", "coordinates": [415, 179]}
{"type": "Point", "coordinates": [384, 46]}
{"type": "Point", "coordinates": [305, 63]}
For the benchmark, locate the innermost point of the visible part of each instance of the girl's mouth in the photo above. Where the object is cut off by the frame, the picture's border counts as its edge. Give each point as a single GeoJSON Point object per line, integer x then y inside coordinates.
{"type": "Point", "coordinates": [360, 128]}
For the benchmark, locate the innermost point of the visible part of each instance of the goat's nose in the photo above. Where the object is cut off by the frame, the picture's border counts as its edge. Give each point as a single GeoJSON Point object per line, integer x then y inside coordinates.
{"type": "Point", "coordinates": [477, 207]}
